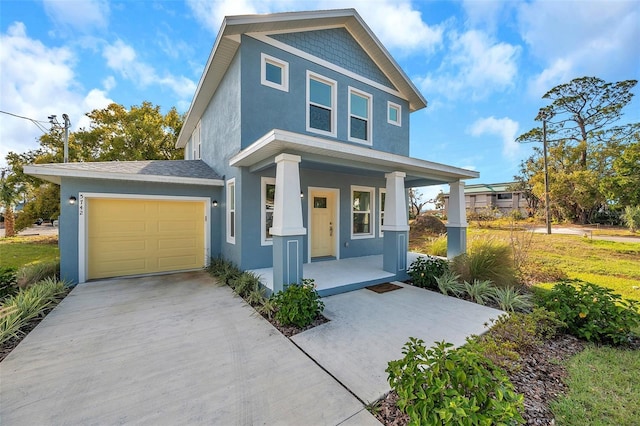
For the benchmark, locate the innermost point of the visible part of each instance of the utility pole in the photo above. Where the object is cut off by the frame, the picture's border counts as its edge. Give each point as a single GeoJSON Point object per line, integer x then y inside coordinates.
{"type": "Point", "coordinates": [67, 124]}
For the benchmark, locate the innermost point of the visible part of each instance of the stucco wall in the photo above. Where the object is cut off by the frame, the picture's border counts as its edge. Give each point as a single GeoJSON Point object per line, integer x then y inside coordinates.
{"type": "Point", "coordinates": [69, 218]}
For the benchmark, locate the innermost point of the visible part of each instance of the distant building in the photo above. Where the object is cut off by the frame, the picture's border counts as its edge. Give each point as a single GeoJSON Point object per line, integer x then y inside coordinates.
{"type": "Point", "coordinates": [492, 196]}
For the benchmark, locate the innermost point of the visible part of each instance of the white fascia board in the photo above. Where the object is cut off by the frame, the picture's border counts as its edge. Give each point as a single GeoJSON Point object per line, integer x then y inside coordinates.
{"type": "Point", "coordinates": [51, 173]}
{"type": "Point", "coordinates": [286, 140]}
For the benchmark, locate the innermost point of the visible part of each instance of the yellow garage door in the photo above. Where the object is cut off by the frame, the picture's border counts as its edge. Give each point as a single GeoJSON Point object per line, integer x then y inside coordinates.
{"type": "Point", "coordinates": [132, 237]}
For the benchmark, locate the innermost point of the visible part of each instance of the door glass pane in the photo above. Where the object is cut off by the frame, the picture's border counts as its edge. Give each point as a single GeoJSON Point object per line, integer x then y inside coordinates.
{"type": "Point", "coordinates": [320, 202]}
{"type": "Point", "coordinates": [320, 93]}
{"type": "Point", "coordinates": [361, 200]}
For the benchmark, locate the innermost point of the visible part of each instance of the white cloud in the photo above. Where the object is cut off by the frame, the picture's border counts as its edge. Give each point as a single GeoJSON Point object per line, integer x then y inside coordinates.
{"type": "Point", "coordinates": [572, 39]}
{"type": "Point", "coordinates": [82, 15]}
{"type": "Point", "coordinates": [475, 67]}
{"type": "Point", "coordinates": [37, 81]}
{"type": "Point", "coordinates": [505, 128]}
{"type": "Point", "coordinates": [123, 59]}
{"type": "Point", "coordinates": [397, 24]}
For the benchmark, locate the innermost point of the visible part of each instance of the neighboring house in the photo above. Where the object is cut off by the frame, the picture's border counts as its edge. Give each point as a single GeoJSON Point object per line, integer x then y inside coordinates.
{"type": "Point", "coordinates": [296, 149]}
{"type": "Point", "coordinates": [496, 196]}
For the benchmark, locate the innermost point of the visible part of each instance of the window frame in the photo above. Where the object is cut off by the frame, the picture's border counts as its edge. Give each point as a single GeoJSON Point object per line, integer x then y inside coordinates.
{"type": "Point", "coordinates": [368, 119]}
{"type": "Point", "coordinates": [231, 208]}
{"type": "Point", "coordinates": [398, 108]}
{"type": "Point", "coordinates": [196, 143]}
{"type": "Point", "coordinates": [284, 68]}
{"type": "Point", "coordinates": [372, 208]}
{"type": "Point", "coordinates": [504, 196]}
{"type": "Point", "coordinates": [334, 104]}
{"type": "Point", "coordinates": [264, 181]}
{"type": "Point", "coordinates": [381, 192]}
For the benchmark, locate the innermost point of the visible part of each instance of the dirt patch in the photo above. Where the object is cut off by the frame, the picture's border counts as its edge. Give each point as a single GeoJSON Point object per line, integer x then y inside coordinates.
{"type": "Point", "coordinates": [541, 380]}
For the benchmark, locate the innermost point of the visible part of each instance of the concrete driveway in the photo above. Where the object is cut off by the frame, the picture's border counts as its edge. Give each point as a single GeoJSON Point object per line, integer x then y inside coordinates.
{"type": "Point", "coordinates": [172, 349]}
{"type": "Point", "coordinates": [367, 330]}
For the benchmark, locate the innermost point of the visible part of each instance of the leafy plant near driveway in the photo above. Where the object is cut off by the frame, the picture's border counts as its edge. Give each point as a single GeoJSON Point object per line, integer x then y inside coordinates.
{"type": "Point", "coordinates": [424, 270]}
{"type": "Point", "coordinates": [448, 284]}
{"type": "Point", "coordinates": [593, 313]}
{"type": "Point", "coordinates": [298, 305]}
{"type": "Point", "coordinates": [441, 385]}
{"type": "Point", "coordinates": [509, 299]}
{"type": "Point", "coordinates": [479, 291]}
{"type": "Point", "coordinates": [7, 282]}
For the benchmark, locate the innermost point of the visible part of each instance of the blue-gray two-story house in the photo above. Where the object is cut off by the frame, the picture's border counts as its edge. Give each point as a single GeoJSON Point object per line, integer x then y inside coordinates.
{"type": "Point", "coordinates": [296, 150]}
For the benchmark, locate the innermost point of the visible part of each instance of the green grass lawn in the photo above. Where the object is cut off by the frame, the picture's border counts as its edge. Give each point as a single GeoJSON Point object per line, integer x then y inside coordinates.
{"type": "Point", "coordinates": [18, 251]}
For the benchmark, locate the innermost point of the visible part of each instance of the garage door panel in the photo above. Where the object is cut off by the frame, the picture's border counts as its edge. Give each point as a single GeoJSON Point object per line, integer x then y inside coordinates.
{"type": "Point", "coordinates": [131, 237]}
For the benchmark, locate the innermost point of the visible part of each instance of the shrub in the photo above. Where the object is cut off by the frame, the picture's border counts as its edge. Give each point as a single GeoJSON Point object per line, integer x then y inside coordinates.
{"type": "Point", "coordinates": [267, 307]}
{"type": "Point", "coordinates": [510, 299]}
{"type": "Point", "coordinates": [592, 312]}
{"type": "Point", "coordinates": [256, 297]}
{"type": "Point", "coordinates": [448, 284]}
{"type": "Point", "coordinates": [438, 246]}
{"type": "Point", "coordinates": [452, 386]}
{"type": "Point", "coordinates": [631, 217]}
{"type": "Point", "coordinates": [486, 260]}
{"type": "Point", "coordinates": [7, 282]}
{"type": "Point", "coordinates": [479, 291]}
{"type": "Point", "coordinates": [298, 305]}
{"type": "Point", "coordinates": [245, 283]}
{"type": "Point", "coordinates": [226, 271]}
{"type": "Point", "coordinates": [35, 272]}
{"type": "Point", "coordinates": [424, 270]}
{"type": "Point", "coordinates": [28, 304]}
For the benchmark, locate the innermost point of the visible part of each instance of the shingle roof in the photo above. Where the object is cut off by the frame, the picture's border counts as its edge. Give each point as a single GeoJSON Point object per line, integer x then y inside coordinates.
{"type": "Point", "coordinates": [177, 171]}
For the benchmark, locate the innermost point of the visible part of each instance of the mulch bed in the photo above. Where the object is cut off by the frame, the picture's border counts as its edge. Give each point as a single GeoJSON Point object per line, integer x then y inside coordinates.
{"type": "Point", "coordinates": [540, 380]}
{"type": "Point", "coordinates": [292, 330]}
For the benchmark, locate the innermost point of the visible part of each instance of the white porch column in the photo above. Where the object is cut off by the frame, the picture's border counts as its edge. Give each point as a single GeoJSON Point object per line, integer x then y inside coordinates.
{"type": "Point", "coordinates": [456, 220]}
{"type": "Point", "coordinates": [396, 226]}
{"type": "Point", "coordinates": [287, 229]}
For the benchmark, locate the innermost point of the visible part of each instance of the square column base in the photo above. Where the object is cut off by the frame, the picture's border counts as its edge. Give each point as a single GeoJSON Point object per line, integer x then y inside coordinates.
{"type": "Point", "coordinates": [287, 261]}
{"type": "Point", "coordinates": [456, 241]}
{"type": "Point", "coordinates": [395, 246]}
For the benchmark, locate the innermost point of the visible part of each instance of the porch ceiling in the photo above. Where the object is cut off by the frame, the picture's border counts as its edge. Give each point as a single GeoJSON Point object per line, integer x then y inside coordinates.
{"type": "Point", "coordinates": [343, 156]}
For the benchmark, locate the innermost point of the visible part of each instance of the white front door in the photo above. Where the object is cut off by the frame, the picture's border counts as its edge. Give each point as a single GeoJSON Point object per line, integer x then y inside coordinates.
{"type": "Point", "coordinates": [323, 223]}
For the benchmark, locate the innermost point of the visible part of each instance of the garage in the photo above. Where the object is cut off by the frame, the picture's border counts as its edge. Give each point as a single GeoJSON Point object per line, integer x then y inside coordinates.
{"type": "Point", "coordinates": [132, 236]}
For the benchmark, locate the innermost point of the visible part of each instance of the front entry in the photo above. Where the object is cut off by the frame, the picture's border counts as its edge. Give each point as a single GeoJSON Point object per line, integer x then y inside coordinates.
{"type": "Point", "coordinates": [324, 228]}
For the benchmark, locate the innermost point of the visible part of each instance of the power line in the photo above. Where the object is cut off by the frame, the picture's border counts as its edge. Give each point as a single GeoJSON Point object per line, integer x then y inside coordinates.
{"type": "Point", "coordinates": [36, 122]}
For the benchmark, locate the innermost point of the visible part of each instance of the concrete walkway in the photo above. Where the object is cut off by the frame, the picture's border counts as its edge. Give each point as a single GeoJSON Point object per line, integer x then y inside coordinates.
{"type": "Point", "coordinates": [367, 330]}
{"type": "Point", "coordinates": [173, 349]}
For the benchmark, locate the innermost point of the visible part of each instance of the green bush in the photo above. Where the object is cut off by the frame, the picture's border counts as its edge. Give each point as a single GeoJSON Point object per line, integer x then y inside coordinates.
{"type": "Point", "coordinates": [486, 260]}
{"type": "Point", "coordinates": [593, 313]}
{"type": "Point", "coordinates": [424, 270]}
{"type": "Point", "coordinates": [36, 272]}
{"type": "Point", "coordinates": [7, 282]}
{"type": "Point", "coordinates": [298, 305]}
{"type": "Point", "coordinates": [631, 217]}
{"type": "Point", "coordinates": [441, 385]}
{"type": "Point", "coordinates": [511, 300]}
{"type": "Point", "coordinates": [28, 304]}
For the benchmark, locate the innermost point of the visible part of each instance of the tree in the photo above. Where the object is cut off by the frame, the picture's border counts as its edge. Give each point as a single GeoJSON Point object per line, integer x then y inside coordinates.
{"type": "Point", "coordinates": [583, 138]}
{"type": "Point", "coordinates": [415, 199]}
{"type": "Point", "coordinates": [9, 193]}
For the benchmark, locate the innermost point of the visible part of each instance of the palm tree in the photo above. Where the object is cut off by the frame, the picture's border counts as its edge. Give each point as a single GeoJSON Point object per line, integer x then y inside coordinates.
{"type": "Point", "coordinates": [8, 196]}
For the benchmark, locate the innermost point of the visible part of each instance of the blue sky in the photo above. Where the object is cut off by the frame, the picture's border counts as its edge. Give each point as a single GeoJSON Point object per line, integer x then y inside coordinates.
{"type": "Point", "coordinates": [482, 65]}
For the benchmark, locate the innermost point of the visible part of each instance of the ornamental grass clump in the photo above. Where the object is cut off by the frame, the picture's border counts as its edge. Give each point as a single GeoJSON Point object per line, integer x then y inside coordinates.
{"type": "Point", "coordinates": [441, 385]}
{"type": "Point", "coordinates": [486, 259]}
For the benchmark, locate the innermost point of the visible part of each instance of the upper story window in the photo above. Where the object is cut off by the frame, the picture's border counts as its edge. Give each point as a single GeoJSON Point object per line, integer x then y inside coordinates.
{"type": "Point", "coordinates": [274, 72]}
{"type": "Point", "coordinates": [321, 104]}
{"type": "Point", "coordinates": [394, 114]}
{"type": "Point", "coordinates": [359, 116]}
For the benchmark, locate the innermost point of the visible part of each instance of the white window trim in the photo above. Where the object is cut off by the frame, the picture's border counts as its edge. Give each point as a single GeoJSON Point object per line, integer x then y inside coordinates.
{"type": "Point", "coordinates": [231, 239]}
{"type": "Point", "coordinates": [283, 65]}
{"type": "Point", "coordinates": [264, 181]}
{"type": "Point", "coordinates": [334, 104]}
{"type": "Point", "coordinates": [369, 118]}
{"type": "Point", "coordinates": [196, 143]}
{"type": "Point", "coordinates": [372, 209]}
{"type": "Point", "coordinates": [380, 211]}
{"type": "Point", "coordinates": [393, 105]}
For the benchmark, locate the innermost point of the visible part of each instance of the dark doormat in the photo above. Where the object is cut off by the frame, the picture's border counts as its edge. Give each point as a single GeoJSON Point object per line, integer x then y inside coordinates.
{"type": "Point", "coordinates": [383, 288]}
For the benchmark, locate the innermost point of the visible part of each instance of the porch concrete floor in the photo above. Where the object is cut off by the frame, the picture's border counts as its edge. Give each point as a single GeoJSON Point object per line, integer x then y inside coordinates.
{"type": "Point", "coordinates": [338, 276]}
{"type": "Point", "coordinates": [367, 330]}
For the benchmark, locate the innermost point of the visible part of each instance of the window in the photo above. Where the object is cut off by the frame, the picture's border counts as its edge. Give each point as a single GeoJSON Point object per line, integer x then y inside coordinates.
{"type": "Point", "coordinates": [394, 114]}
{"type": "Point", "coordinates": [362, 206]}
{"type": "Point", "coordinates": [274, 73]}
{"type": "Point", "coordinates": [321, 105]}
{"type": "Point", "coordinates": [505, 196]}
{"type": "Point", "coordinates": [359, 116]}
{"type": "Point", "coordinates": [231, 211]}
{"type": "Point", "coordinates": [268, 203]}
{"type": "Point", "coordinates": [383, 196]}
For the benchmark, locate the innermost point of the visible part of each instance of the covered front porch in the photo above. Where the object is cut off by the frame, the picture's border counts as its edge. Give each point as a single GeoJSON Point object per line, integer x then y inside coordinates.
{"type": "Point", "coordinates": [339, 276]}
